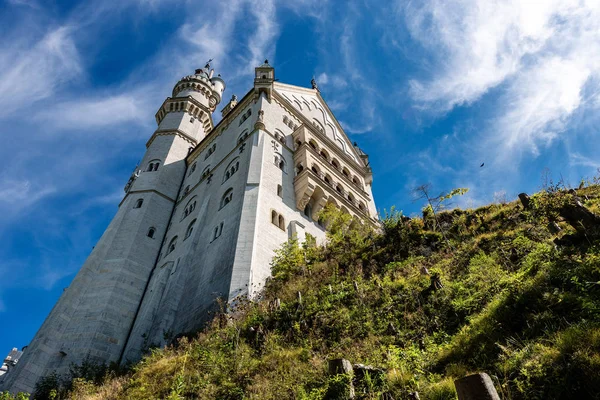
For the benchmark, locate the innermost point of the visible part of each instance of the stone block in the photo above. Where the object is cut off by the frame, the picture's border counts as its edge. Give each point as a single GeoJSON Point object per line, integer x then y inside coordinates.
{"type": "Point", "coordinates": [340, 366]}
{"type": "Point", "coordinates": [476, 387]}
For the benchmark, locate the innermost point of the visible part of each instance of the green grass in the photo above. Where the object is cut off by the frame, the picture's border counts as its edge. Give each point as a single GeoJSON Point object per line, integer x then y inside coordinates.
{"type": "Point", "coordinates": [511, 304]}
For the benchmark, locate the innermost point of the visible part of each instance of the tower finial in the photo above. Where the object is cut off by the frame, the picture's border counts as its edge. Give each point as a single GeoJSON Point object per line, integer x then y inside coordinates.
{"type": "Point", "coordinates": [313, 83]}
{"type": "Point", "coordinates": [207, 66]}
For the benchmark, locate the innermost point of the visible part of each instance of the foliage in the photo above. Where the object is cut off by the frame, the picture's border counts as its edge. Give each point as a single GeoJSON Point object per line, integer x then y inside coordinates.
{"type": "Point", "coordinates": [478, 290]}
{"type": "Point", "coordinates": [18, 396]}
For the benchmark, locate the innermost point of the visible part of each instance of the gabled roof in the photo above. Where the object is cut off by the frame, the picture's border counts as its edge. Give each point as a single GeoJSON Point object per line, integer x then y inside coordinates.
{"type": "Point", "coordinates": [311, 105]}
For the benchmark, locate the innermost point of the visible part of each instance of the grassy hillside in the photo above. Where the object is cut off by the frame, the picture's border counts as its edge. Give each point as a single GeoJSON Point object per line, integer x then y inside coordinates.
{"type": "Point", "coordinates": [428, 301]}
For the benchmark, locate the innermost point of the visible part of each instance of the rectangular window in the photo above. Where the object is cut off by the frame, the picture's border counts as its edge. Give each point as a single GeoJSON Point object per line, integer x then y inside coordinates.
{"type": "Point", "coordinates": [280, 191]}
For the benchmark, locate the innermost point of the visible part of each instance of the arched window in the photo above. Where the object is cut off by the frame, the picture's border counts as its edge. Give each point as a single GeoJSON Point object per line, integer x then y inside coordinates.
{"type": "Point", "coordinates": [190, 229]}
{"type": "Point", "coordinates": [281, 223]}
{"type": "Point", "coordinates": [151, 233]}
{"type": "Point", "coordinates": [308, 210]}
{"type": "Point", "coordinates": [153, 165]}
{"type": "Point", "coordinates": [339, 188]}
{"type": "Point", "coordinates": [242, 137]}
{"type": "Point", "coordinates": [227, 197]}
{"type": "Point", "coordinates": [280, 191]}
{"type": "Point", "coordinates": [280, 136]}
{"type": "Point", "coordinates": [335, 163]}
{"type": "Point", "coordinates": [346, 172]}
{"type": "Point", "coordinates": [327, 179]}
{"type": "Point", "coordinates": [277, 220]}
{"type": "Point", "coordinates": [324, 154]}
{"type": "Point", "coordinates": [218, 230]}
{"type": "Point", "coordinates": [299, 168]}
{"type": "Point", "coordinates": [209, 152]}
{"type": "Point", "coordinates": [355, 181]}
{"type": "Point", "coordinates": [313, 144]}
{"type": "Point", "coordinates": [138, 203]}
{"type": "Point", "coordinates": [315, 169]}
{"type": "Point", "coordinates": [172, 245]}
{"type": "Point", "coordinates": [245, 116]}
{"type": "Point", "coordinates": [280, 162]}
{"type": "Point", "coordinates": [189, 207]}
{"type": "Point", "coordinates": [205, 172]}
{"type": "Point", "coordinates": [232, 168]}
{"type": "Point", "coordinates": [351, 198]}
{"type": "Point", "coordinates": [192, 168]}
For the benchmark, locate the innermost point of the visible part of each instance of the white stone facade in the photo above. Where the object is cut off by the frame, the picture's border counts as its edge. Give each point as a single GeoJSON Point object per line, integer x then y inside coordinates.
{"type": "Point", "coordinates": [201, 218]}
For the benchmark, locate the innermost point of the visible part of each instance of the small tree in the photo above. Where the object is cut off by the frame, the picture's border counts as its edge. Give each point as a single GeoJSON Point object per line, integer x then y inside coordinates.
{"type": "Point", "coordinates": [437, 203]}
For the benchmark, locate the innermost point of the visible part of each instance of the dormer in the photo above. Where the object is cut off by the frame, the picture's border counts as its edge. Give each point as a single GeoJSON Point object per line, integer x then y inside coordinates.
{"type": "Point", "coordinates": [263, 79]}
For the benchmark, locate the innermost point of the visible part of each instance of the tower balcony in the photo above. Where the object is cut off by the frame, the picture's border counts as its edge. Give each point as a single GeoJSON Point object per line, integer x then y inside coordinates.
{"type": "Point", "coordinates": [345, 170]}
{"type": "Point", "coordinates": [317, 183]}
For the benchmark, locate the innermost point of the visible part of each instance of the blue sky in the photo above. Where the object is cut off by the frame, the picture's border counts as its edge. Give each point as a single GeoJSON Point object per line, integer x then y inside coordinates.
{"type": "Point", "coordinates": [430, 89]}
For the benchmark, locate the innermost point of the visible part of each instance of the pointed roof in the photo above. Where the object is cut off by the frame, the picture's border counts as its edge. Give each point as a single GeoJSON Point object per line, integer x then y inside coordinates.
{"type": "Point", "coordinates": [311, 105]}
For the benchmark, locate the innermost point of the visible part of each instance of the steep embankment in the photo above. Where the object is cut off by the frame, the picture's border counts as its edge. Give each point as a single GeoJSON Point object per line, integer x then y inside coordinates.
{"type": "Point", "coordinates": [497, 296]}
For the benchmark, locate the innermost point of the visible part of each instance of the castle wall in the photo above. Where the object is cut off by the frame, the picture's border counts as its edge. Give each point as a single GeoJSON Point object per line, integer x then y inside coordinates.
{"type": "Point", "coordinates": [188, 280]}
{"type": "Point", "coordinates": [93, 317]}
{"type": "Point", "coordinates": [218, 214]}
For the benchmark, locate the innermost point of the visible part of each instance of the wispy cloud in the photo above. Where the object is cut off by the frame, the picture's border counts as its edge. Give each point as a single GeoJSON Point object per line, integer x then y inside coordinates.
{"type": "Point", "coordinates": [578, 159]}
{"type": "Point", "coordinates": [332, 80]}
{"type": "Point", "coordinates": [15, 194]}
{"type": "Point", "coordinates": [30, 72]}
{"type": "Point", "coordinates": [96, 113]}
{"type": "Point", "coordinates": [541, 55]}
{"type": "Point", "coordinates": [261, 43]}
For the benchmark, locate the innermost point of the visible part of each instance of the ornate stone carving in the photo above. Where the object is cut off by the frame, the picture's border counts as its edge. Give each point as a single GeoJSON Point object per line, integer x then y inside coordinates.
{"type": "Point", "coordinates": [304, 198]}
{"type": "Point", "coordinates": [260, 120]}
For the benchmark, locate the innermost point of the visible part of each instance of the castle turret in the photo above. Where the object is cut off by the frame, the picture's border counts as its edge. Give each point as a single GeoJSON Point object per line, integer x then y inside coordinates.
{"type": "Point", "coordinates": [264, 76]}
{"type": "Point", "coordinates": [94, 316]}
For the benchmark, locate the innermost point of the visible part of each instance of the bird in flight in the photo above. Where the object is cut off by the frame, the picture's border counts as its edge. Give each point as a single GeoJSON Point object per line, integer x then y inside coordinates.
{"type": "Point", "coordinates": [482, 164]}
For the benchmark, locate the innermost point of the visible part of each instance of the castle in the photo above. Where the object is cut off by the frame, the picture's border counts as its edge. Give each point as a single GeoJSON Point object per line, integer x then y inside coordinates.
{"type": "Point", "coordinates": [201, 218]}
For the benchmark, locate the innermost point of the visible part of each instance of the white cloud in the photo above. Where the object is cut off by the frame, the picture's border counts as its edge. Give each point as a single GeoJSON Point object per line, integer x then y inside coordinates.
{"type": "Point", "coordinates": [333, 80]}
{"type": "Point", "coordinates": [579, 159]}
{"type": "Point", "coordinates": [101, 112]}
{"type": "Point", "coordinates": [261, 42]}
{"type": "Point", "coordinates": [30, 72]}
{"type": "Point", "coordinates": [21, 194]}
{"type": "Point", "coordinates": [542, 55]}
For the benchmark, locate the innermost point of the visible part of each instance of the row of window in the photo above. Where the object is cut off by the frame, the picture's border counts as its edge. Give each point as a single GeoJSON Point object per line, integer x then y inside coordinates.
{"type": "Point", "coordinates": [278, 220]}
{"type": "Point", "coordinates": [232, 168]}
{"type": "Point", "coordinates": [190, 229]}
{"type": "Point", "coordinates": [210, 150]}
{"type": "Point", "coordinates": [246, 115]}
{"type": "Point", "coordinates": [188, 233]}
{"type": "Point", "coordinates": [289, 123]}
{"type": "Point", "coordinates": [335, 163]}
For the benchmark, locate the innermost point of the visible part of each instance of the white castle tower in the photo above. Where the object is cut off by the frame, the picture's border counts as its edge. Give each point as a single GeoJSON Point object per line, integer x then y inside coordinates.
{"type": "Point", "coordinates": [201, 218]}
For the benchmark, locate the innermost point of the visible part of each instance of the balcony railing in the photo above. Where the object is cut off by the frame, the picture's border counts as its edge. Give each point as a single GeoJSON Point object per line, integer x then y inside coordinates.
{"type": "Point", "coordinates": [339, 191]}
